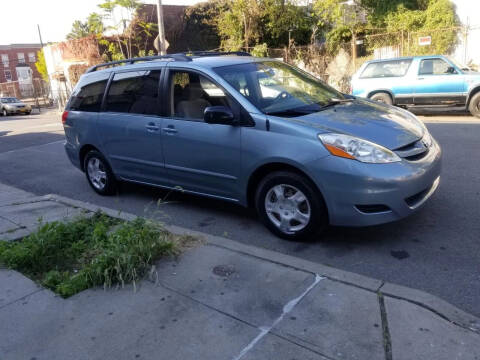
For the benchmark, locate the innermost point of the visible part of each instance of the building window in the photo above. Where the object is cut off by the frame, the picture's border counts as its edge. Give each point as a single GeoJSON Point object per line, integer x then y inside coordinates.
{"type": "Point", "coordinates": [31, 57]}
{"type": "Point", "coordinates": [5, 59]}
{"type": "Point", "coordinates": [21, 58]}
{"type": "Point", "coordinates": [8, 75]}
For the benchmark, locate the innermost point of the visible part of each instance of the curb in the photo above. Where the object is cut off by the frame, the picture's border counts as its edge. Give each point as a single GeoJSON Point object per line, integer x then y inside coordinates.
{"type": "Point", "coordinates": [420, 298]}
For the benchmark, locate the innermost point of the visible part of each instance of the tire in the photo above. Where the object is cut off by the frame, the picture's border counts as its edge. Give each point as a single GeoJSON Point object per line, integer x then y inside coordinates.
{"type": "Point", "coordinates": [382, 97]}
{"type": "Point", "coordinates": [474, 106]}
{"type": "Point", "coordinates": [4, 112]}
{"type": "Point", "coordinates": [99, 173]}
{"type": "Point", "coordinates": [312, 210]}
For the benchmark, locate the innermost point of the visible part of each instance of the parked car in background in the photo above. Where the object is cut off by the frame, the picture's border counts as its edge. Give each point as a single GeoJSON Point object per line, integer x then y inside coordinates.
{"type": "Point", "coordinates": [419, 81]}
{"type": "Point", "coordinates": [11, 105]}
{"type": "Point", "coordinates": [253, 131]}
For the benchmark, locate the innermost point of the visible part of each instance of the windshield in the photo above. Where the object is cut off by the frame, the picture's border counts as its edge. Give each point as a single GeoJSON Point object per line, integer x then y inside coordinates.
{"type": "Point", "coordinates": [279, 89]}
{"type": "Point", "coordinates": [459, 64]}
{"type": "Point", "coordinates": [10, 100]}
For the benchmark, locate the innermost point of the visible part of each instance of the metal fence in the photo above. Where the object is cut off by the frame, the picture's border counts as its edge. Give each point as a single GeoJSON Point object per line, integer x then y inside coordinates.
{"type": "Point", "coordinates": [338, 65]}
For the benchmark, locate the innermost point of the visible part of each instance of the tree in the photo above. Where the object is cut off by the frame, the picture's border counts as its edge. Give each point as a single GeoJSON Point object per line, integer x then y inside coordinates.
{"type": "Point", "coordinates": [93, 25]}
{"type": "Point", "coordinates": [240, 24]}
{"type": "Point", "coordinates": [79, 30]}
{"type": "Point", "coordinates": [41, 65]}
{"type": "Point", "coordinates": [281, 17]}
{"type": "Point", "coordinates": [126, 9]}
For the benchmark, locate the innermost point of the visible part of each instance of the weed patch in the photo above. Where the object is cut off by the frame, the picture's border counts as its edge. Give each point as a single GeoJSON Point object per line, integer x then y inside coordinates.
{"type": "Point", "coordinates": [68, 257]}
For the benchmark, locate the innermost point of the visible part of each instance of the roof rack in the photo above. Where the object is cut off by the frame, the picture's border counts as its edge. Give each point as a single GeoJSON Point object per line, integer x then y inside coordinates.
{"type": "Point", "coordinates": [175, 57]}
{"type": "Point", "coordinates": [214, 53]}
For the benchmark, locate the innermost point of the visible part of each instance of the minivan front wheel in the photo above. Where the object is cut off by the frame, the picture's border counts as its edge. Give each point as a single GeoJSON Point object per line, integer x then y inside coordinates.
{"type": "Point", "coordinates": [289, 205]}
{"type": "Point", "coordinates": [99, 174]}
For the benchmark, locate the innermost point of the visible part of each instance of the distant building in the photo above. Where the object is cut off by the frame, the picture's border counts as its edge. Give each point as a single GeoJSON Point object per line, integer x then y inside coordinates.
{"type": "Point", "coordinates": [17, 69]}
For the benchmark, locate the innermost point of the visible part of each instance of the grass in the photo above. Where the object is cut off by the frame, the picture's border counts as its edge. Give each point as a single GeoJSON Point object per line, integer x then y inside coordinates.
{"type": "Point", "coordinates": [68, 257]}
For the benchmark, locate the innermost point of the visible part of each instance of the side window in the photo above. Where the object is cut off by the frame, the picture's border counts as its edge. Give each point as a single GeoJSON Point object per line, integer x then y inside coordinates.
{"type": "Point", "coordinates": [134, 92]}
{"type": "Point", "coordinates": [435, 67]}
{"type": "Point", "coordinates": [88, 97]}
{"type": "Point", "coordinates": [395, 68]}
{"type": "Point", "coordinates": [192, 93]}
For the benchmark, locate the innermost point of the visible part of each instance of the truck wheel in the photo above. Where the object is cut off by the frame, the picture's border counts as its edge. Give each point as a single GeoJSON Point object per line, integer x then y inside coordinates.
{"type": "Point", "coordinates": [383, 98]}
{"type": "Point", "coordinates": [474, 106]}
{"type": "Point", "coordinates": [290, 206]}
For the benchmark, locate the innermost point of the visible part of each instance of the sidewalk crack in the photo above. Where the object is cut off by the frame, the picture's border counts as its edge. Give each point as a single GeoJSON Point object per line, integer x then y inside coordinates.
{"type": "Point", "coordinates": [264, 330]}
{"type": "Point", "coordinates": [387, 340]}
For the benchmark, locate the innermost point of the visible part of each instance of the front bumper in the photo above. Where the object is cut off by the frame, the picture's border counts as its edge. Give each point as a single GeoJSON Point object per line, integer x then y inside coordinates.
{"type": "Point", "coordinates": [359, 194]}
{"type": "Point", "coordinates": [24, 110]}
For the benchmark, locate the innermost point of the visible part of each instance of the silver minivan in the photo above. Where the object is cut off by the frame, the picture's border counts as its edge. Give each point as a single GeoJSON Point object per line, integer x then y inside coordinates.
{"type": "Point", "coordinates": [253, 131]}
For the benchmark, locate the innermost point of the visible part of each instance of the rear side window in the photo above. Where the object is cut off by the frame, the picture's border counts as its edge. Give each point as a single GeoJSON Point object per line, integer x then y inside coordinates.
{"type": "Point", "coordinates": [134, 92]}
{"type": "Point", "coordinates": [394, 68]}
{"type": "Point", "coordinates": [88, 97]}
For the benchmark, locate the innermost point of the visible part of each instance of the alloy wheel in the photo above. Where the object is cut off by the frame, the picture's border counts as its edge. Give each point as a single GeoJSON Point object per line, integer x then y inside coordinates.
{"type": "Point", "coordinates": [97, 173]}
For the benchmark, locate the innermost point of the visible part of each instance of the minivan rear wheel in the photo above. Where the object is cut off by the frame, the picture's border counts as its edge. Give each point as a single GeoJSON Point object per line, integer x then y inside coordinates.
{"type": "Point", "coordinates": [383, 98]}
{"type": "Point", "coordinates": [99, 174]}
{"type": "Point", "coordinates": [290, 206]}
{"type": "Point", "coordinates": [474, 106]}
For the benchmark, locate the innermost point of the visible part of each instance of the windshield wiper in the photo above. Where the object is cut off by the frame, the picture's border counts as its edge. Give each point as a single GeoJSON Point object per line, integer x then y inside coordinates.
{"type": "Point", "coordinates": [333, 102]}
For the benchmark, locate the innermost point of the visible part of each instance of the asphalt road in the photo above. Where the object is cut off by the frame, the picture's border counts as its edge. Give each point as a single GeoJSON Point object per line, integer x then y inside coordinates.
{"type": "Point", "coordinates": [437, 250]}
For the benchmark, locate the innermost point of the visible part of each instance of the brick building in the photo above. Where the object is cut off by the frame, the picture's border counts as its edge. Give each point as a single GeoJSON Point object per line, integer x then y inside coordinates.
{"type": "Point", "coordinates": [17, 69]}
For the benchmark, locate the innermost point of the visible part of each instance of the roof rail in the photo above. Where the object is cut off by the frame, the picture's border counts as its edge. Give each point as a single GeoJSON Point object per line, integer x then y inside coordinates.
{"type": "Point", "coordinates": [175, 57]}
{"type": "Point", "coordinates": [214, 53]}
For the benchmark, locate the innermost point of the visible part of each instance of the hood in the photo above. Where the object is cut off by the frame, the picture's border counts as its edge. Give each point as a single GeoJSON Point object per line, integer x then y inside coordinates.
{"type": "Point", "coordinates": [372, 121]}
{"type": "Point", "coordinates": [16, 104]}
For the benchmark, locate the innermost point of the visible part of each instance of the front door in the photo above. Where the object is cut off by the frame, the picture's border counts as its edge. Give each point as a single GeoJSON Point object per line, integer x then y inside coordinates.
{"type": "Point", "coordinates": [439, 83]}
{"type": "Point", "coordinates": [130, 127]}
{"type": "Point", "coordinates": [199, 157]}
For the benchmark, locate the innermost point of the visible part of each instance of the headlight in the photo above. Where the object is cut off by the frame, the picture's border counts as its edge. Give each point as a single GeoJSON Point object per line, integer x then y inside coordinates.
{"type": "Point", "coordinates": [358, 149]}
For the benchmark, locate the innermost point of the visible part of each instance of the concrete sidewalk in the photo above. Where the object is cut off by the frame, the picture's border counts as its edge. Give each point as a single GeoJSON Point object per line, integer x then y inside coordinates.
{"type": "Point", "coordinates": [221, 300]}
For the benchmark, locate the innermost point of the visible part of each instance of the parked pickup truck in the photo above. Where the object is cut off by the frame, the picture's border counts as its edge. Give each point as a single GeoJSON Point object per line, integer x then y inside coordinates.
{"type": "Point", "coordinates": [419, 81]}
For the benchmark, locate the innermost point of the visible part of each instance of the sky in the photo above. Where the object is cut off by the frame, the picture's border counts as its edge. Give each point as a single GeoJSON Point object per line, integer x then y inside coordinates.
{"type": "Point", "coordinates": [55, 18]}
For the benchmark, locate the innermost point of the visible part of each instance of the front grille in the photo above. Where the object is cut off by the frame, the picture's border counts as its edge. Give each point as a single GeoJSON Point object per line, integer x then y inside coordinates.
{"type": "Point", "coordinates": [371, 209]}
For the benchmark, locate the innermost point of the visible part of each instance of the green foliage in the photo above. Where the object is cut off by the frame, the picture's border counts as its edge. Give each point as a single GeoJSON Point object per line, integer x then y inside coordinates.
{"type": "Point", "coordinates": [200, 29]}
{"type": "Point", "coordinates": [99, 250]}
{"type": "Point", "coordinates": [41, 65]}
{"type": "Point", "coordinates": [336, 37]}
{"type": "Point", "coordinates": [93, 25]}
{"type": "Point", "coordinates": [260, 50]}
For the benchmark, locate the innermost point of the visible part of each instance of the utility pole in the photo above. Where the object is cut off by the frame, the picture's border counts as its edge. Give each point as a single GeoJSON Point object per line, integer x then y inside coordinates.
{"type": "Point", "coordinates": [161, 29]}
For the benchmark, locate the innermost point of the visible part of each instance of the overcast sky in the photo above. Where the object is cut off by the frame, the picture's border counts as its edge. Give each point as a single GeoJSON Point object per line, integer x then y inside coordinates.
{"type": "Point", "coordinates": [19, 18]}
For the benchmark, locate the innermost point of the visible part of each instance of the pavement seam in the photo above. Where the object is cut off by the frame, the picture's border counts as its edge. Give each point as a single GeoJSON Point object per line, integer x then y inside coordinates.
{"type": "Point", "coordinates": [288, 339]}
{"type": "Point", "coordinates": [286, 309]}
{"type": "Point", "coordinates": [439, 314]}
{"type": "Point", "coordinates": [387, 340]}
{"type": "Point", "coordinates": [20, 298]}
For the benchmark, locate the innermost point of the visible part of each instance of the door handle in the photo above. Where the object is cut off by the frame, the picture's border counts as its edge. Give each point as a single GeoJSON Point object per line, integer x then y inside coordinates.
{"type": "Point", "coordinates": [170, 130]}
{"type": "Point", "coordinates": [420, 78]}
{"type": "Point", "coordinates": [151, 127]}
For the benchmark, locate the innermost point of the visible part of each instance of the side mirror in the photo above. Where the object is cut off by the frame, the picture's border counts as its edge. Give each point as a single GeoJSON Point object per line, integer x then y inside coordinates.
{"type": "Point", "coordinates": [219, 115]}
{"type": "Point", "coordinates": [451, 70]}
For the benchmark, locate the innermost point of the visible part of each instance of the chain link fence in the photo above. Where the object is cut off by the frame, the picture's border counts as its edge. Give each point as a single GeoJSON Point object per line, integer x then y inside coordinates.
{"type": "Point", "coordinates": [336, 67]}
